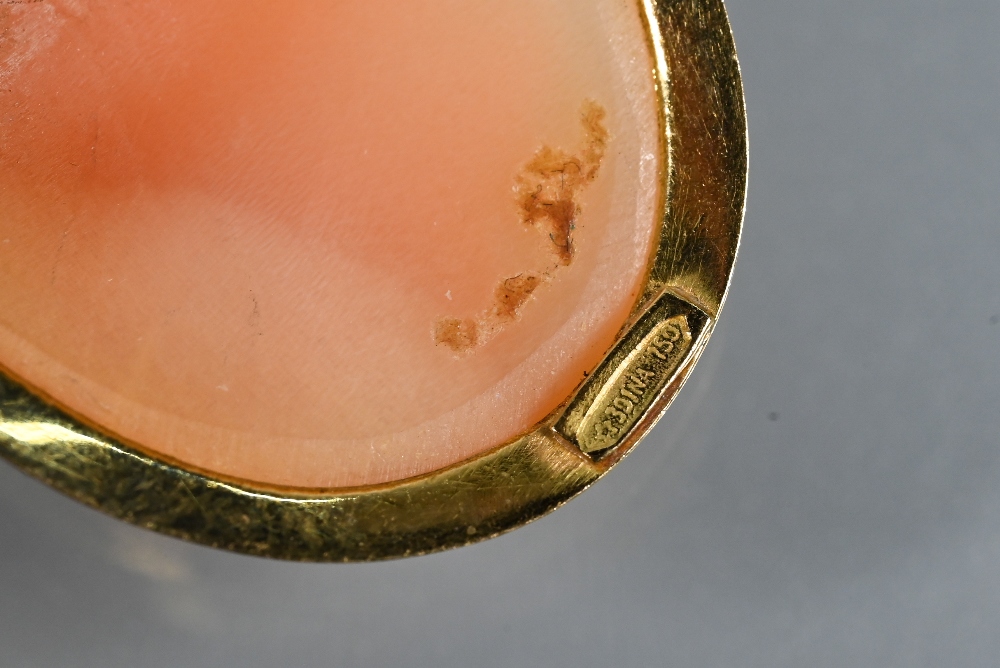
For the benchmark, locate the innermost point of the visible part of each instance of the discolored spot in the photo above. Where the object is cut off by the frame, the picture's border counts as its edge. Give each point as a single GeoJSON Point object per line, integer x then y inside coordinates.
{"type": "Point", "coordinates": [459, 335]}
{"type": "Point", "coordinates": [512, 293]}
{"type": "Point", "coordinates": [25, 31]}
{"type": "Point", "coordinates": [548, 188]}
{"type": "Point", "coordinates": [547, 192]}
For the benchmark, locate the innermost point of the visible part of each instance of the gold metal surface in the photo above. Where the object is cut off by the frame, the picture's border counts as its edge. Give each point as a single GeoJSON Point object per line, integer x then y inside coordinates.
{"type": "Point", "coordinates": [705, 154]}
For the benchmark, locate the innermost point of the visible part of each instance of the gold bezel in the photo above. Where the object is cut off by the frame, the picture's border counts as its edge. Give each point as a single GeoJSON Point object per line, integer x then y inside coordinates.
{"type": "Point", "coordinates": [705, 153]}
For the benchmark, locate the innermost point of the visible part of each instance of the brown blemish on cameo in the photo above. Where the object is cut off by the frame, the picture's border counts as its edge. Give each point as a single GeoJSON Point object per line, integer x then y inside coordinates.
{"type": "Point", "coordinates": [511, 294]}
{"type": "Point", "coordinates": [459, 335]}
{"type": "Point", "coordinates": [547, 192]}
{"type": "Point", "coordinates": [548, 188]}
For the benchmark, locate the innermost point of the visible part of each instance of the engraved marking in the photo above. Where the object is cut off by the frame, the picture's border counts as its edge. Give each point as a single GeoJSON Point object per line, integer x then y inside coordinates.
{"type": "Point", "coordinates": [547, 193]}
{"type": "Point", "coordinates": [632, 387]}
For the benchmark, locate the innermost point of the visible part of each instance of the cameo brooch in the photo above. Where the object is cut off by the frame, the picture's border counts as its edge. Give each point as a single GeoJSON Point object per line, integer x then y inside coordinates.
{"type": "Point", "coordinates": [357, 280]}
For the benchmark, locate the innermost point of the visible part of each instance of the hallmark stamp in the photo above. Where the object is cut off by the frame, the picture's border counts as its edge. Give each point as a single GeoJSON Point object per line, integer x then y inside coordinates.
{"type": "Point", "coordinates": [630, 380]}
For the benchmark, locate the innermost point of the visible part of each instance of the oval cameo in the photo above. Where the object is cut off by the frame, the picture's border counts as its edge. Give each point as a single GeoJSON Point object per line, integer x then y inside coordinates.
{"type": "Point", "coordinates": [320, 244]}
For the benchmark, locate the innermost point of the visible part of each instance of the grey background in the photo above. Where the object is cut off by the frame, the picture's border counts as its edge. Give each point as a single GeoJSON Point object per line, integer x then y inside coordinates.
{"type": "Point", "coordinates": [825, 492]}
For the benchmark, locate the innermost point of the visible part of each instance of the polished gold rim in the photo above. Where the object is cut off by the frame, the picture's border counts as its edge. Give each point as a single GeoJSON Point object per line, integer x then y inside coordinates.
{"type": "Point", "coordinates": [704, 131]}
